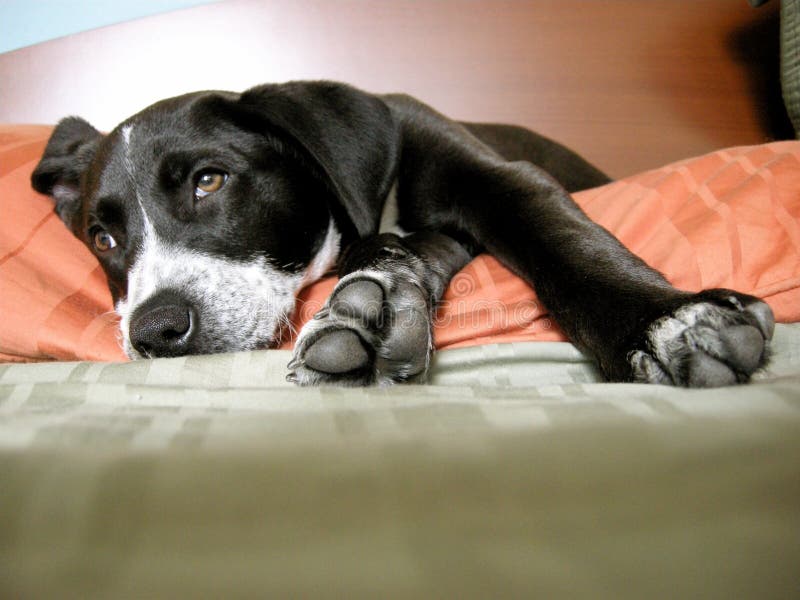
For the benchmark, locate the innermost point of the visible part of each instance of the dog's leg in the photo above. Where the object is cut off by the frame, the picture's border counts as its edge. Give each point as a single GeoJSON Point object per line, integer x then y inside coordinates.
{"type": "Point", "coordinates": [615, 307]}
{"type": "Point", "coordinates": [376, 325]}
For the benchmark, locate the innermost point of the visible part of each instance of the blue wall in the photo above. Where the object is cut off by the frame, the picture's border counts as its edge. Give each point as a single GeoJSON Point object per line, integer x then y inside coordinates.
{"type": "Point", "coordinates": [26, 22]}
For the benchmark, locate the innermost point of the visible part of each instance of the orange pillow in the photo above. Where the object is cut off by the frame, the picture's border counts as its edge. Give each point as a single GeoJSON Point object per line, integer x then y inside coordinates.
{"type": "Point", "coordinates": [727, 219]}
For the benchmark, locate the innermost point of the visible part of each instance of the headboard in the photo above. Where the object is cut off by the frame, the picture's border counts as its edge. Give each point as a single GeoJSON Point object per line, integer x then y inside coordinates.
{"type": "Point", "coordinates": [629, 84]}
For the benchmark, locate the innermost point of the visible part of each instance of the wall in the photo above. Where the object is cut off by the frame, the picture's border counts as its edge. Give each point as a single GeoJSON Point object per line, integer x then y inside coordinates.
{"type": "Point", "coordinates": [26, 22]}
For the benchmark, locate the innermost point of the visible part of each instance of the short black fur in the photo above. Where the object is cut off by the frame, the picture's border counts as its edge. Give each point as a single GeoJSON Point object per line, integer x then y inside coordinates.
{"type": "Point", "coordinates": [297, 156]}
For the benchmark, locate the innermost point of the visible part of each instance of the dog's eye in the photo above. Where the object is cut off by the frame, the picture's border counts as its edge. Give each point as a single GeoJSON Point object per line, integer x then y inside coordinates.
{"type": "Point", "coordinates": [208, 182]}
{"type": "Point", "coordinates": [102, 240]}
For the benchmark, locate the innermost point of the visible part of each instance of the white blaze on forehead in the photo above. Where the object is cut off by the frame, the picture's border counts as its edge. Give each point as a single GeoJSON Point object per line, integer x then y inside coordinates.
{"type": "Point", "coordinates": [130, 168]}
{"type": "Point", "coordinates": [126, 135]}
{"type": "Point", "coordinates": [127, 132]}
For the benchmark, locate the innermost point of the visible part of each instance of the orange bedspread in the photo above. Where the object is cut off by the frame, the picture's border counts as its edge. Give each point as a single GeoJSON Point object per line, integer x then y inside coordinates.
{"type": "Point", "coordinates": [727, 219]}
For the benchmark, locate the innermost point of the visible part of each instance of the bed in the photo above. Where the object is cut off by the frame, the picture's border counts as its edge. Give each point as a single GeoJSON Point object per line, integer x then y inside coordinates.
{"type": "Point", "coordinates": [515, 471]}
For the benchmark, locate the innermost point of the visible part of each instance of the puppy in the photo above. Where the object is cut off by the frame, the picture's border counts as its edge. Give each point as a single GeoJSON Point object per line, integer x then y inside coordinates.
{"type": "Point", "coordinates": [210, 211]}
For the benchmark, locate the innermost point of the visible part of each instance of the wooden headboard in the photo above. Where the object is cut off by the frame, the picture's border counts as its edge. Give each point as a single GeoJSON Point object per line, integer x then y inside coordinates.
{"type": "Point", "coordinates": [629, 84]}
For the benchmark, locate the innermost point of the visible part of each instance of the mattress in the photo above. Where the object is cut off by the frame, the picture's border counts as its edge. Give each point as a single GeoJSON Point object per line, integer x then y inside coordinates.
{"type": "Point", "coordinates": [514, 472]}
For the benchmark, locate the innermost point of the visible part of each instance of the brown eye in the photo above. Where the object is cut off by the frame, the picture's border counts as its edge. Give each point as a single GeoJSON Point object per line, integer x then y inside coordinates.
{"type": "Point", "coordinates": [209, 182]}
{"type": "Point", "coordinates": [102, 240]}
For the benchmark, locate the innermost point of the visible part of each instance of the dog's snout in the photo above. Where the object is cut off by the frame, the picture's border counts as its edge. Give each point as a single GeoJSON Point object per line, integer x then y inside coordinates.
{"type": "Point", "coordinates": [163, 327]}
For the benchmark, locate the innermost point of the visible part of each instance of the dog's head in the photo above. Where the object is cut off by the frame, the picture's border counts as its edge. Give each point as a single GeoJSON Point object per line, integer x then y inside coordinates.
{"type": "Point", "coordinates": [209, 211]}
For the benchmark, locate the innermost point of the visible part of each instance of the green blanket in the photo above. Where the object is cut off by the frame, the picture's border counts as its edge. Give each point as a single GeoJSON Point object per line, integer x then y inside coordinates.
{"type": "Point", "coordinates": [516, 473]}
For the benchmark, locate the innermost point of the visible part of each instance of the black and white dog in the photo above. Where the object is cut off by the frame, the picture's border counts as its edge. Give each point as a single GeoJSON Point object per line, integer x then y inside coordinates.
{"type": "Point", "coordinates": [210, 211]}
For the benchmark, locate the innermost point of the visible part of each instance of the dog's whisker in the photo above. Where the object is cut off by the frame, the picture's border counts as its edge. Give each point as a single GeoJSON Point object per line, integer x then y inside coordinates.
{"type": "Point", "coordinates": [285, 327]}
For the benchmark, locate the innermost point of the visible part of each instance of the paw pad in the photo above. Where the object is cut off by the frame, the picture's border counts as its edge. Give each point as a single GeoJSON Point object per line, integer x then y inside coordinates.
{"type": "Point", "coordinates": [362, 300]}
{"type": "Point", "coordinates": [717, 338]}
{"type": "Point", "coordinates": [339, 351]}
{"type": "Point", "coordinates": [369, 332]}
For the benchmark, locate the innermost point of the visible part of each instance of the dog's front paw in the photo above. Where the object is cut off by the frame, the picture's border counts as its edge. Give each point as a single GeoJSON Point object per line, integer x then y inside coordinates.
{"type": "Point", "coordinates": [371, 330]}
{"type": "Point", "coordinates": [715, 338]}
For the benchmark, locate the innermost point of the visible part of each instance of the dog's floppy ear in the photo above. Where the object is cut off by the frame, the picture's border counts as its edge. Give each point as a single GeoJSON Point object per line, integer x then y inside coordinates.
{"type": "Point", "coordinates": [350, 134]}
{"type": "Point", "coordinates": [68, 153]}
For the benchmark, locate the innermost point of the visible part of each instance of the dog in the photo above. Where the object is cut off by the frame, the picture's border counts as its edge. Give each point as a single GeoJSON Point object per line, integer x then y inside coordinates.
{"type": "Point", "coordinates": [211, 210]}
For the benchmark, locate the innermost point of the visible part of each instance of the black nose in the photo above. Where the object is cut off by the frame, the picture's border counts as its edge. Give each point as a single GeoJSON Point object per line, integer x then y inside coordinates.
{"type": "Point", "coordinates": [163, 326]}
